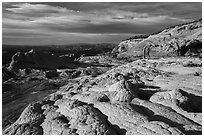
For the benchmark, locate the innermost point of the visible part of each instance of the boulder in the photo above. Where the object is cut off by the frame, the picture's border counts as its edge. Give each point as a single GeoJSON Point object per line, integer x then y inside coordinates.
{"type": "Point", "coordinates": [122, 91]}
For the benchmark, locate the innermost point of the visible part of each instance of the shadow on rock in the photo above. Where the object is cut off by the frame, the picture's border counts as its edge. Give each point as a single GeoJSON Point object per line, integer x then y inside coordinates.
{"type": "Point", "coordinates": [154, 117]}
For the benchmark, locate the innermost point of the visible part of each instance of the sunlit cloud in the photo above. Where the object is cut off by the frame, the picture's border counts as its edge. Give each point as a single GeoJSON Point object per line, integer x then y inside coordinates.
{"type": "Point", "coordinates": [35, 8]}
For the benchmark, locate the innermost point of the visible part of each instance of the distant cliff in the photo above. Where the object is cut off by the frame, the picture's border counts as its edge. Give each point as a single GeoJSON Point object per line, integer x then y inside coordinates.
{"type": "Point", "coordinates": [185, 37]}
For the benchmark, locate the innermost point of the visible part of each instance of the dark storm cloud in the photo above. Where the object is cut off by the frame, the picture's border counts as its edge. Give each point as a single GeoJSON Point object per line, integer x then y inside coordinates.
{"type": "Point", "coordinates": [91, 21]}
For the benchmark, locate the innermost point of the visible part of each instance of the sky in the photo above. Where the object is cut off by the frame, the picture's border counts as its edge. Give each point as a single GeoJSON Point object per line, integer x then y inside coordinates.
{"type": "Point", "coordinates": [87, 22]}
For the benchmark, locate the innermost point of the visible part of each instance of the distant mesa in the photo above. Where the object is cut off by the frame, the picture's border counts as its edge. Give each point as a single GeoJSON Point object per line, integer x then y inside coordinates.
{"type": "Point", "coordinates": [39, 60]}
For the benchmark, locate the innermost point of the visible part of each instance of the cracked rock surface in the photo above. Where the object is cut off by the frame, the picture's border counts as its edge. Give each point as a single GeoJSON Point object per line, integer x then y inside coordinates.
{"type": "Point", "coordinates": [137, 98]}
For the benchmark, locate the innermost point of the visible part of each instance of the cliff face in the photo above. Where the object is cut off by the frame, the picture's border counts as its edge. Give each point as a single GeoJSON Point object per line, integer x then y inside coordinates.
{"type": "Point", "coordinates": [186, 37]}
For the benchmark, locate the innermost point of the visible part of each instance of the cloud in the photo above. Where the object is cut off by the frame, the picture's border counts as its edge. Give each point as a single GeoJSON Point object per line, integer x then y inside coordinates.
{"type": "Point", "coordinates": [91, 21]}
{"type": "Point", "coordinates": [35, 8]}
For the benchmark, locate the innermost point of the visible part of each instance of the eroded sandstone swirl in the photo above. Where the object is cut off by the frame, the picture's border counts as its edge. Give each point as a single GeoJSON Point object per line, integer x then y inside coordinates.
{"type": "Point", "coordinates": [126, 100]}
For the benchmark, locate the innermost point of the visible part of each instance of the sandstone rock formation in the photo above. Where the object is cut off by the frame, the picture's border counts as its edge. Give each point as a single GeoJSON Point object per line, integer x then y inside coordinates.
{"type": "Point", "coordinates": [126, 100]}
{"type": "Point", "coordinates": [28, 122]}
{"type": "Point", "coordinates": [184, 103]}
{"type": "Point", "coordinates": [179, 40]}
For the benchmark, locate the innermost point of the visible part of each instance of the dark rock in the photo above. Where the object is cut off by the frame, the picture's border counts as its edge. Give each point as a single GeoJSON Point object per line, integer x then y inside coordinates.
{"type": "Point", "coordinates": [7, 74]}
{"type": "Point", "coordinates": [39, 60]}
{"type": "Point", "coordinates": [51, 74]}
{"type": "Point", "coordinates": [28, 70]}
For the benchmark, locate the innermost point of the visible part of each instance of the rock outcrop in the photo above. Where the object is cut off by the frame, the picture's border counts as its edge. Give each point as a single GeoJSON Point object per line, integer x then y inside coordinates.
{"type": "Point", "coordinates": [73, 117]}
{"type": "Point", "coordinates": [126, 100]}
{"type": "Point", "coordinates": [29, 121]}
{"type": "Point", "coordinates": [39, 60]}
{"type": "Point", "coordinates": [184, 103]}
{"type": "Point", "coordinates": [180, 40]}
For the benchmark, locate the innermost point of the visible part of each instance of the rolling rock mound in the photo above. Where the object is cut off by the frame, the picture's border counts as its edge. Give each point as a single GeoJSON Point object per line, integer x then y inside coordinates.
{"type": "Point", "coordinates": [187, 38]}
{"type": "Point", "coordinates": [126, 100]}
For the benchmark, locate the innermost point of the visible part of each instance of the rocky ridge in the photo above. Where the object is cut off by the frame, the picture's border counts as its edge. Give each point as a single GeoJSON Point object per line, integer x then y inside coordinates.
{"type": "Point", "coordinates": [187, 38]}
